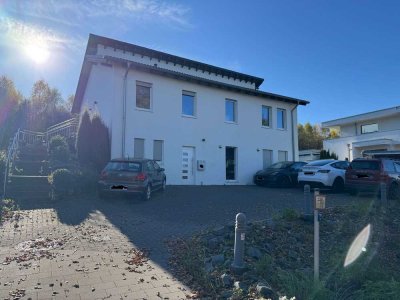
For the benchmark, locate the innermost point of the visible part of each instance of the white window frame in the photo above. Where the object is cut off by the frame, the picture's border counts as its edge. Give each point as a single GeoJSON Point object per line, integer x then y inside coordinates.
{"type": "Point", "coordinates": [194, 95]}
{"type": "Point", "coordinates": [150, 86]}
{"type": "Point", "coordinates": [363, 125]}
{"type": "Point", "coordinates": [134, 147]}
{"type": "Point", "coordinates": [162, 150]}
{"type": "Point", "coordinates": [284, 119]}
{"type": "Point", "coordinates": [269, 116]}
{"type": "Point", "coordinates": [286, 155]}
{"type": "Point", "coordinates": [235, 111]}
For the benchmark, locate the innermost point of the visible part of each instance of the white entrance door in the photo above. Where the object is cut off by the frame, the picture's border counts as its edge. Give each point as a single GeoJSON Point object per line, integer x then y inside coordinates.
{"type": "Point", "coordinates": [187, 165]}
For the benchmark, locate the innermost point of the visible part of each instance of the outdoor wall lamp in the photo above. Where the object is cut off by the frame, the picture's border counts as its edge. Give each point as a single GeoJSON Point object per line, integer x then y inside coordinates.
{"type": "Point", "coordinates": [258, 149]}
{"type": "Point", "coordinates": [220, 146]}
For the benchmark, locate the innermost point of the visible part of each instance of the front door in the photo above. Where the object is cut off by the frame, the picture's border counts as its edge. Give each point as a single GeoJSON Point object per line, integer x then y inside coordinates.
{"type": "Point", "coordinates": [187, 165]}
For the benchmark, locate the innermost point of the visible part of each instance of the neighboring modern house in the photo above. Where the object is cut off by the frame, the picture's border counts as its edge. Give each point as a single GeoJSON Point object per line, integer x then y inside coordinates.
{"type": "Point", "coordinates": [205, 124]}
{"type": "Point", "coordinates": [374, 133]}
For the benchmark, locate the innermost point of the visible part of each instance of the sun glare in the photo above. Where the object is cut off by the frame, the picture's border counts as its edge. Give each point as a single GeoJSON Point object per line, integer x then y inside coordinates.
{"type": "Point", "coordinates": [37, 53]}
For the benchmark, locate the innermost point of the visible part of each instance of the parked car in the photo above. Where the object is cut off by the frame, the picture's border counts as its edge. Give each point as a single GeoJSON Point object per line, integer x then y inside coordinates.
{"type": "Point", "coordinates": [135, 176]}
{"type": "Point", "coordinates": [281, 174]}
{"type": "Point", "coordinates": [328, 173]}
{"type": "Point", "coordinates": [367, 175]}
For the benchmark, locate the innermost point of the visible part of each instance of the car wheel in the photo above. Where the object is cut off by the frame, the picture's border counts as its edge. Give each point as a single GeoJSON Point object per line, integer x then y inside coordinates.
{"type": "Point", "coordinates": [338, 185]}
{"type": "Point", "coordinates": [394, 192]}
{"type": "Point", "coordinates": [284, 181]}
{"type": "Point", "coordinates": [164, 185]}
{"type": "Point", "coordinates": [147, 193]}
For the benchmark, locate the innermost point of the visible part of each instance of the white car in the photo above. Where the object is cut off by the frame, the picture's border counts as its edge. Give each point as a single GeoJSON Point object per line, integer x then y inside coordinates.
{"type": "Point", "coordinates": [324, 173]}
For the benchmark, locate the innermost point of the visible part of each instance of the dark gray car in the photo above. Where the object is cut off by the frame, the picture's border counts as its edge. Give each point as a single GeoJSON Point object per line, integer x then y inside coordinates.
{"type": "Point", "coordinates": [131, 176]}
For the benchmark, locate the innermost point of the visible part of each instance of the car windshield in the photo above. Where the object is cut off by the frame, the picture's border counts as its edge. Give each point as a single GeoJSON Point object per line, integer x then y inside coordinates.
{"type": "Point", "coordinates": [280, 165]}
{"type": "Point", "coordinates": [365, 165]}
{"type": "Point", "coordinates": [124, 166]}
{"type": "Point", "coordinates": [319, 163]}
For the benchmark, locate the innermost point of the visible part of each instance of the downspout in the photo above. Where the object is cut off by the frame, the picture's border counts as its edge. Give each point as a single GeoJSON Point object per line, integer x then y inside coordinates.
{"type": "Point", "coordinates": [292, 121]}
{"type": "Point", "coordinates": [124, 111]}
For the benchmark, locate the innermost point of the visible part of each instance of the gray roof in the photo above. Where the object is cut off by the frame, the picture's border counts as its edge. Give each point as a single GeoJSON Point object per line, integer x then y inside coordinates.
{"type": "Point", "coordinates": [91, 51]}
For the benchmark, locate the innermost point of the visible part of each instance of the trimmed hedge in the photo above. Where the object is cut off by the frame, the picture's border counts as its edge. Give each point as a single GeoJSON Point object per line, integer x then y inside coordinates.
{"type": "Point", "coordinates": [62, 182]}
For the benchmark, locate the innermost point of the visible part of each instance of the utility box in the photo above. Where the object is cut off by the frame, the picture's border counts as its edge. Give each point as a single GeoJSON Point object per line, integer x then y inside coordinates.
{"type": "Point", "coordinates": [201, 165]}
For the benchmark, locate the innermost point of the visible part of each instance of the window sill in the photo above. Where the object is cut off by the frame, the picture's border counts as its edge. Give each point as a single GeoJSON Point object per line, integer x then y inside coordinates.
{"type": "Point", "coordinates": [281, 129]}
{"type": "Point", "coordinates": [266, 127]}
{"type": "Point", "coordinates": [144, 109]}
{"type": "Point", "coordinates": [189, 116]}
{"type": "Point", "coordinates": [230, 122]}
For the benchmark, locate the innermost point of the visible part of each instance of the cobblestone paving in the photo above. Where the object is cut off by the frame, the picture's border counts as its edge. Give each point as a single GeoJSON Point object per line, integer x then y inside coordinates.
{"type": "Point", "coordinates": [89, 240]}
{"type": "Point", "coordinates": [86, 261]}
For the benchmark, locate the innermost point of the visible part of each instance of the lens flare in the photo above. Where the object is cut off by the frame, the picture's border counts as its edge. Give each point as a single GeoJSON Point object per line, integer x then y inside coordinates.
{"type": "Point", "coordinates": [358, 246]}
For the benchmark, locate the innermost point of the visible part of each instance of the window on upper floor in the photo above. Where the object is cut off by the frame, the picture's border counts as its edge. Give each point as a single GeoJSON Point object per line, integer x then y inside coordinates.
{"type": "Point", "coordinates": [188, 103]}
{"type": "Point", "coordinates": [281, 118]}
{"type": "Point", "coordinates": [143, 95]}
{"type": "Point", "coordinates": [266, 116]}
{"type": "Point", "coordinates": [369, 128]}
{"type": "Point", "coordinates": [231, 110]}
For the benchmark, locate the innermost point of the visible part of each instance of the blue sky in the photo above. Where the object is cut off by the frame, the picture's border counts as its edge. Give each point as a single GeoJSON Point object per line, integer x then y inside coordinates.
{"type": "Point", "coordinates": [342, 56]}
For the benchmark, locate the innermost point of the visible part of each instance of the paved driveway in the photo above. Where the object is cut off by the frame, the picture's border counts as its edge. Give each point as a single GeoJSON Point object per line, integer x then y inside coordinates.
{"type": "Point", "coordinates": [100, 235]}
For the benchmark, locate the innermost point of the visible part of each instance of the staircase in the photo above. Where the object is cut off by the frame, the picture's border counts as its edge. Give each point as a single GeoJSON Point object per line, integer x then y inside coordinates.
{"type": "Point", "coordinates": [28, 162]}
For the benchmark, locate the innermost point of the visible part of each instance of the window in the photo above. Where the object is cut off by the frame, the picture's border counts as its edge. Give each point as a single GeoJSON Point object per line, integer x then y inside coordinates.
{"type": "Point", "coordinates": [282, 155]}
{"type": "Point", "coordinates": [281, 118]}
{"type": "Point", "coordinates": [230, 110]}
{"type": "Point", "coordinates": [388, 165]}
{"type": "Point", "coordinates": [230, 163]}
{"type": "Point", "coordinates": [369, 128]}
{"type": "Point", "coordinates": [188, 103]}
{"type": "Point", "coordinates": [138, 150]}
{"type": "Point", "coordinates": [267, 158]}
{"type": "Point", "coordinates": [342, 165]}
{"type": "Point", "coordinates": [143, 95]}
{"type": "Point", "coordinates": [158, 150]}
{"type": "Point", "coordinates": [266, 116]}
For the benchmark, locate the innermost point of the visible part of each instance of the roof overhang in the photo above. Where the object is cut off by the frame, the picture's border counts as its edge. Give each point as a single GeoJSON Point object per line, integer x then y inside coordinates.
{"type": "Point", "coordinates": [376, 142]}
{"type": "Point", "coordinates": [92, 59]}
{"type": "Point", "coordinates": [363, 117]}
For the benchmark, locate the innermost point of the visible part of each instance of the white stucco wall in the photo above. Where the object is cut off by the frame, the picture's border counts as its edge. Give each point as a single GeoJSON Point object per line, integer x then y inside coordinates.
{"type": "Point", "coordinates": [165, 122]}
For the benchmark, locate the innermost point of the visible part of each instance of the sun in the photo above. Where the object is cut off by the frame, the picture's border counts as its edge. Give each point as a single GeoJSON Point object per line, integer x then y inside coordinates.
{"type": "Point", "coordinates": [38, 54]}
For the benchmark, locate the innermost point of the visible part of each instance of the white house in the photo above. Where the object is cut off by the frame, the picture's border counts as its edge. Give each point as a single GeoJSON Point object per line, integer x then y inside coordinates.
{"type": "Point", "coordinates": [376, 132]}
{"type": "Point", "coordinates": [205, 124]}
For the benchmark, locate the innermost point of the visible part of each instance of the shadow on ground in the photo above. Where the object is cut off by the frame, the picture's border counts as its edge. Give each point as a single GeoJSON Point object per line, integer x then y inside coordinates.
{"type": "Point", "coordinates": [179, 211]}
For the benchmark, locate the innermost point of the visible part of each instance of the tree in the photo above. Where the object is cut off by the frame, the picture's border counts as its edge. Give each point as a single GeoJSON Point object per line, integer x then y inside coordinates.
{"type": "Point", "coordinates": [93, 142]}
{"type": "Point", "coordinates": [101, 149]}
{"type": "Point", "coordinates": [46, 107]}
{"type": "Point", "coordinates": [327, 155]}
{"type": "Point", "coordinates": [310, 137]}
{"type": "Point", "coordinates": [83, 140]}
{"type": "Point", "coordinates": [10, 110]}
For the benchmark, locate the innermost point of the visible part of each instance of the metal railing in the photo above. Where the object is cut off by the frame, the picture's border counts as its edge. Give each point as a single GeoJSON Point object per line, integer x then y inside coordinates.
{"type": "Point", "coordinates": [11, 154]}
{"type": "Point", "coordinates": [67, 129]}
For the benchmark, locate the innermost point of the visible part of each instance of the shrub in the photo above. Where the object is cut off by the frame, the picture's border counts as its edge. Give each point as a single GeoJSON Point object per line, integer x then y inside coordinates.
{"type": "Point", "coordinates": [290, 214]}
{"type": "Point", "coordinates": [62, 182]}
{"type": "Point", "coordinates": [302, 286]}
{"type": "Point", "coordinates": [93, 143]}
{"type": "Point", "coordinates": [59, 149]}
{"type": "Point", "coordinates": [101, 150]}
{"type": "Point", "coordinates": [7, 208]}
{"type": "Point", "coordinates": [388, 290]}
